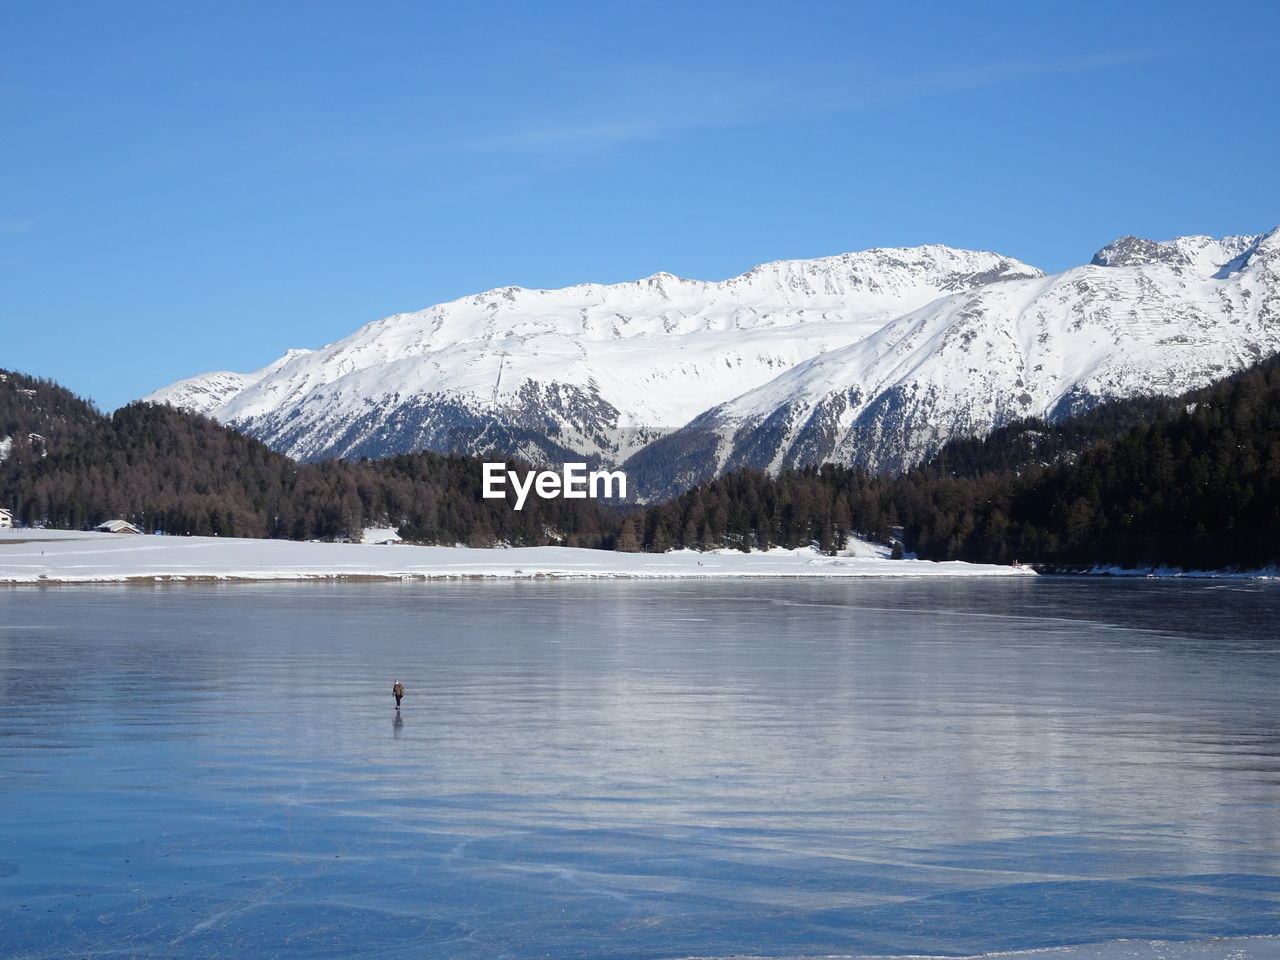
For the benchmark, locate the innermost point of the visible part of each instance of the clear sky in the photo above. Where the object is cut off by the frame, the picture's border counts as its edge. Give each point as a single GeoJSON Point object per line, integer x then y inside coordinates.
{"type": "Point", "coordinates": [189, 187]}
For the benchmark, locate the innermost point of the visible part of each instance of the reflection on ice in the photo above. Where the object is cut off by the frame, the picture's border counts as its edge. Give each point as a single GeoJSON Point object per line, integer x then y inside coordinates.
{"type": "Point", "coordinates": [631, 770]}
{"type": "Point", "coordinates": [1219, 948]}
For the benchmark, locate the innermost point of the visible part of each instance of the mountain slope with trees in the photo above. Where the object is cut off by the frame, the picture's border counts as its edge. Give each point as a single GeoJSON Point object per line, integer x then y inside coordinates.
{"type": "Point", "coordinates": [1192, 482]}
{"type": "Point", "coordinates": [1195, 485]}
{"type": "Point", "coordinates": [68, 465]}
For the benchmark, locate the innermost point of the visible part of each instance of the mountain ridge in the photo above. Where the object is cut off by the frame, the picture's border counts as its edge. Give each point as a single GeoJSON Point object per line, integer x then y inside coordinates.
{"type": "Point", "coordinates": [594, 368]}
{"type": "Point", "coordinates": [1135, 324]}
{"type": "Point", "coordinates": [875, 358]}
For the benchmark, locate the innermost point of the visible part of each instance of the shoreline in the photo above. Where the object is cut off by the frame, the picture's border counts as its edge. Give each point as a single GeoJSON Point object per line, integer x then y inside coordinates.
{"type": "Point", "coordinates": [47, 557]}
{"type": "Point", "coordinates": [1157, 573]}
{"type": "Point", "coordinates": [179, 579]}
{"type": "Point", "coordinates": [70, 557]}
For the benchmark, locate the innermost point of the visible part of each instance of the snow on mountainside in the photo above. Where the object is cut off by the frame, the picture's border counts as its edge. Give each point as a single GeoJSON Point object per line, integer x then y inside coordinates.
{"type": "Point", "coordinates": [593, 371]}
{"type": "Point", "coordinates": [209, 391]}
{"type": "Point", "coordinates": [1143, 318]}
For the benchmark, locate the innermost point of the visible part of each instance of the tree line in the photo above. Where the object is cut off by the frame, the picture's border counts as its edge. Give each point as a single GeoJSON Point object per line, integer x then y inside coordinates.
{"type": "Point", "coordinates": [1193, 483]}
{"type": "Point", "coordinates": [1190, 481]}
{"type": "Point", "coordinates": [164, 469]}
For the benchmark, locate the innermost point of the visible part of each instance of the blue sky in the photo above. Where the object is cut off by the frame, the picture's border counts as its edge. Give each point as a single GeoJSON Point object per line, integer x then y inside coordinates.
{"type": "Point", "coordinates": [188, 187]}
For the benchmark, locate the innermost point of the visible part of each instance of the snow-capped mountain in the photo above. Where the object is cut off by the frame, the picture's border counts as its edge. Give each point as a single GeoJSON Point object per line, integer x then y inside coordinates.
{"type": "Point", "coordinates": [875, 358]}
{"type": "Point", "coordinates": [594, 371]}
{"type": "Point", "coordinates": [1143, 318]}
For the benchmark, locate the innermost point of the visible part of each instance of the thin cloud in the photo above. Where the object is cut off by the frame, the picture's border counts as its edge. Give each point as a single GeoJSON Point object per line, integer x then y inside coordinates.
{"type": "Point", "coordinates": [818, 97]}
{"type": "Point", "coordinates": [14, 228]}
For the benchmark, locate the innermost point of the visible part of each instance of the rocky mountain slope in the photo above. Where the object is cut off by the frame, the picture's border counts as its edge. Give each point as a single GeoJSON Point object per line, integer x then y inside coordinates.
{"type": "Point", "coordinates": [594, 371]}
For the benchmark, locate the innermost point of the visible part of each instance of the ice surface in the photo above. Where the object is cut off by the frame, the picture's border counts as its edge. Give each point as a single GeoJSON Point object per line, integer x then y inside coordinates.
{"type": "Point", "coordinates": [631, 769]}
{"type": "Point", "coordinates": [1219, 948]}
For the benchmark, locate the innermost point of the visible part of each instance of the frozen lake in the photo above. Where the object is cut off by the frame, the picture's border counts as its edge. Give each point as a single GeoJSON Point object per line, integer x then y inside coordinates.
{"type": "Point", "coordinates": [639, 770]}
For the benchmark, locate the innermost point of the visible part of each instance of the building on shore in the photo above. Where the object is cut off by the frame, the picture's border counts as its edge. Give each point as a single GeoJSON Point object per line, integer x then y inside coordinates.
{"type": "Point", "coordinates": [117, 526]}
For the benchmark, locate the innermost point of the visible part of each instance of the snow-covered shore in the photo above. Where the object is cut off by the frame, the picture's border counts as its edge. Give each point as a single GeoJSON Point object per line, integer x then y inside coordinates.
{"type": "Point", "coordinates": [64, 556]}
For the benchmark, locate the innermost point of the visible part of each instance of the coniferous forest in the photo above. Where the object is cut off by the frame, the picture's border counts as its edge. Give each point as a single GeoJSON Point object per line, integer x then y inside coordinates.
{"type": "Point", "coordinates": [1192, 481]}
{"type": "Point", "coordinates": [163, 469]}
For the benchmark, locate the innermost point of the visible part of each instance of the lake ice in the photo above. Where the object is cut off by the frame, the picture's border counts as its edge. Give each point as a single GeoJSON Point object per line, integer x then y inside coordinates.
{"type": "Point", "coordinates": [640, 770]}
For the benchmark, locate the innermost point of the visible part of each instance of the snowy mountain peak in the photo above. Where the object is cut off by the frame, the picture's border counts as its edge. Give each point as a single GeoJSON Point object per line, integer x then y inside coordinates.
{"type": "Point", "coordinates": [289, 356]}
{"type": "Point", "coordinates": [207, 392]}
{"type": "Point", "coordinates": [1202, 254]}
{"type": "Point", "coordinates": [886, 270]}
{"type": "Point", "coordinates": [1268, 244]}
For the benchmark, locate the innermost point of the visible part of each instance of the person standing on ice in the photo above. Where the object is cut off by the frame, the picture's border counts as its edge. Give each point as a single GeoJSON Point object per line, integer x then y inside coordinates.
{"type": "Point", "coordinates": [397, 691]}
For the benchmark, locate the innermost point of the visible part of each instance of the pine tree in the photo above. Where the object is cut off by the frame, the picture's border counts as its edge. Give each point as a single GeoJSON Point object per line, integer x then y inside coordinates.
{"type": "Point", "coordinates": [628, 541]}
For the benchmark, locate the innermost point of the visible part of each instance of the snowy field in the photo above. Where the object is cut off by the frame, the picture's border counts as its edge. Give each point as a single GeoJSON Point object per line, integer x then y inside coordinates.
{"type": "Point", "coordinates": [66, 556]}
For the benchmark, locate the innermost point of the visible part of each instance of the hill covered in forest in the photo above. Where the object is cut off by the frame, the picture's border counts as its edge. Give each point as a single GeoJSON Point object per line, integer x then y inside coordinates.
{"type": "Point", "coordinates": [1193, 483]}
{"type": "Point", "coordinates": [65, 464]}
